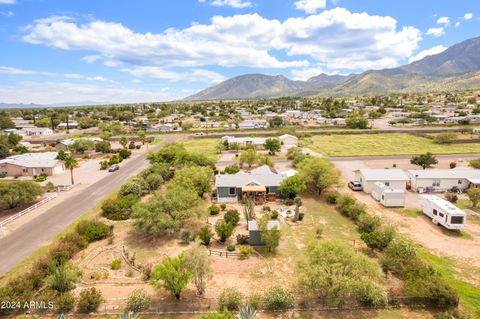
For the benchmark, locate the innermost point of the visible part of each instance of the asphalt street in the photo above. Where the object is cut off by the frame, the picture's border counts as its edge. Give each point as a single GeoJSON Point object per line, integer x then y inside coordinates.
{"type": "Point", "coordinates": [40, 231]}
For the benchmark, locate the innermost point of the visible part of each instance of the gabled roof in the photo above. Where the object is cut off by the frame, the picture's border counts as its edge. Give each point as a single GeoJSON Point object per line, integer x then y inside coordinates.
{"type": "Point", "coordinates": [263, 175]}
{"type": "Point", "coordinates": [383, 174]}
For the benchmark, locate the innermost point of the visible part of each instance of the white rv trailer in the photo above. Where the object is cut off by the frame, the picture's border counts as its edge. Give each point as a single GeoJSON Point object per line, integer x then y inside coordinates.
{"type": "Point", "coordinates": [443, 212]}
{"type": "Point", "coordinates": [388, 196]}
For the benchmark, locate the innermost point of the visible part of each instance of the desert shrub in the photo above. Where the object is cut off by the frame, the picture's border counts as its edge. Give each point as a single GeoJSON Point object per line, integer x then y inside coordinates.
{"type": "Point", "coordinates": [137, 186]}
{"type": "Point", "coordinates": [230, 299]}
{"type": "Point", "coordinates": [254, 301]}
{"type": "Point", "coordinates": [116, 264]}
{"type": "Point", "coordinates": [475, 163]}
{"type": "Point", "coordinates": [225, 314]}
{"type": "Point", "coordinates": [186, 236]}
{"type": "Point", "coordinates": [230, 245]}
{"type": "Point", "coordinates": [223, 206]}
{"type": "Point", "coordinates": [93, 230]}
{"type": "Point", "coordinates": [350, 207]}
{"type": "Point", "coordinates": [63, 278]}
{"type": "Point", "coordinates": [445, 138]}
{"type": "Point", "coordinates": [224, 230]}
{"type": "Point", "coordinates": [242, 239]}
{"type": "Point", "coordinates": [274, 214]}
{"type": "Point", "coordinates": [103, 165]}
{"type": "Point", "coordinates": [367, 223]}
{"type": "Point", "coordinates": [266, 208]}
{"type": "Point", "coordinates": [137, 301]}
{"type": "Point", "coordinates": [245, 251]}
{"type": "Point", "coordinates": [379, 238]}
{"type": "Point", "coordinates": [154, 181]}
{"type": "Point", "coordinates": [65, 303]}
{"type": "Point", "coordinates": [451, 197]}
{"type": "Point", "coordinates": [232, 169]}
{"type": "Point", "coordinates": [319, 230]}
{"type": "Point", "coordinates": [75, 239]}
{"type": "Point", "coordinates": [205, 234]}
{"type": "Point", "coordinates": [372, 296]}
{"type": "Point", "coordinates": [214, 210]}
{"type": "Point", "coordinates": [41, 178]}
{"type": "Point", "coordinates": [232, 217]}
{"type": "Point", "coordinates": [89, 300]}
{"type": "Point", "coordinates": [119, 208]}
{"type": "Point", "coordinates": [278, 298]}
{"type": "Point", "coordinates": [288, 201]}
{"type": "Point", "coordinates": [124, 153]}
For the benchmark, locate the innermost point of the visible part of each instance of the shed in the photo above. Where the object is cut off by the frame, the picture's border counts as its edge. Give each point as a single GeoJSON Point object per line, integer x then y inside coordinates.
{"type": "Point", "coordinates": [255, 238]}
{"type": "Point", "coordinates": [388, 196]}
{"type": "Point", "coordinates": [394, 178]}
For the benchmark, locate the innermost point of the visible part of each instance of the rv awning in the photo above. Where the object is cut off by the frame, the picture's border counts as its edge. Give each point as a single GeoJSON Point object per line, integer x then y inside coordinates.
{"type": "Point", "coordinates": [253, 188]}
{"type": "Point", "coordinates": [474, 181]}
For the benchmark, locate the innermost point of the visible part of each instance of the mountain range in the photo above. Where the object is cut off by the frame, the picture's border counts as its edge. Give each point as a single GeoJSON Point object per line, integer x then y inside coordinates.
{"type": "Point", "coordinates": [456, 68]}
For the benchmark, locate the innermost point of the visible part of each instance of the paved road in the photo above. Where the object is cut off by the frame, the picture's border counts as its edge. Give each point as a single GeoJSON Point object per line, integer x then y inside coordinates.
{"type": "Point", "coordinates": [40, 231]}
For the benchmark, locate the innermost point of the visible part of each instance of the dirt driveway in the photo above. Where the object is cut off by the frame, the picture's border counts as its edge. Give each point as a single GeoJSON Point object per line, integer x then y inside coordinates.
{"type": "Point", "coordinates": [420, 228]}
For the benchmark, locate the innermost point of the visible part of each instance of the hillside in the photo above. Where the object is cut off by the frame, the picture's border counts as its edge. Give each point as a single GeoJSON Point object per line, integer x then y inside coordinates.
{"type": "Point", "coordinates": [456, 68]}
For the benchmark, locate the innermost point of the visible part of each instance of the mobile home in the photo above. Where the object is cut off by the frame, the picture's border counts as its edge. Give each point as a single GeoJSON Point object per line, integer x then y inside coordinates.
{"type": "Point", "coordinates": [394, 178]}
{"type": "Point", "coordinates": [443, 212]}
{"type": "Point", "coordinates": [387, 196]}
{"type": "Point", "coordinates": [442, 180]}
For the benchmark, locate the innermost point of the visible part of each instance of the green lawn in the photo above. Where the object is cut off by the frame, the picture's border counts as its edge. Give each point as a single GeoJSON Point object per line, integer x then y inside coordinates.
{"type": "Point", "coordinates": [383, 145]}
{"type": "Point", "coordinates": [205, 146]}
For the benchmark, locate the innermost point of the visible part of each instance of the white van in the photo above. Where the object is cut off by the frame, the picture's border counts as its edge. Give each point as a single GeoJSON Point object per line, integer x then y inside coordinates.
{"type": "Point", "coordinates": [443, 212]}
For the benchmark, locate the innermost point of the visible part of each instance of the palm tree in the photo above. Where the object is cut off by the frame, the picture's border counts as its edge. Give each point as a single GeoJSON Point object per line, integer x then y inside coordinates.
{"type": "Point", "coordinates": [70, 163]}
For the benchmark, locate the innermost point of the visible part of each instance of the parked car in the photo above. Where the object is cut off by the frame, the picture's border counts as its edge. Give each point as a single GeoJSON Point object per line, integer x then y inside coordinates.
{"type": "Point", "coordinates": [355, 186]}
{"type": "Point", "coordinates": [114, 168]}
{"type": "Point", "coordinates": [200, 134]}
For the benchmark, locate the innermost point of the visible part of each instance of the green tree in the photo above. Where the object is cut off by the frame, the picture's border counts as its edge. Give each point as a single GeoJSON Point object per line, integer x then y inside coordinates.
{"type": "Point", "coordinates": [292, 186]}
{"type": "Point", "coordinates": [18, 193]}
{"type": "Point", "coordinates": [357, 121]}
{"type": "Point", "coordinates": [317, 173]}
{"type": "Point", "coordinates": [196, 177]}
{"type": "Point", "coordinates": [200, 265]}
{"type": "Point", "coordinates": [270, 237]}
{"type": "Point", "coordinates": [424, 160]}
{"type": "Point", "coordinates": [474, 195]}
{"type": "Point", "coordinates": [334, 272]}
{"type": "Point", "coordinates": [172, 275]}
{"type": "Point", "coordinates": [70, 164]}
{"type": "Point", "coordinates": [103, 147]}
{"type": "Point", "coordinates": [224, 230]}
{"type": "Point", "coordinates": [5, 121]}
{"type": "Point", "coordinates": [445, 138]}
{"type": "Point", "coordinates": [273, 145]}
{"type": "Point", "coordinates": [4, 151]}
{"type": "Point", "coordinates": [205, 234]}
{"type": "Point", "coordinates": [124, 141]}
{"type": "Point", "coordinates": [13, 139]}
{"type": "Point", "coordinates": [249, 157]}
{"type": "Point", "coordinates": [82, 145]}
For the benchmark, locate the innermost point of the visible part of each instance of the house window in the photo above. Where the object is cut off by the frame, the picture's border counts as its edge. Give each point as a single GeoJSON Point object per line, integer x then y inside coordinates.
{"type": "Point", "coordinates": [231, 191]}
{"type": "Point", "coordinates": [383, 197]}
{"type": "Point", "coordinates": [267, 190]}
{"type": "Point", "coordinates": [387, 183]}
{"type": "Point", "coordinates": [435, 212]}
{"type": "Point", "coordinates": [459, 182]}
{"type": "Point", "coordinates": [436, 182]}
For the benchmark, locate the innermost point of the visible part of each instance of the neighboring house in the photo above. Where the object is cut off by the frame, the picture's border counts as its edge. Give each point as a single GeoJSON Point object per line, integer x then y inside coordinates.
{"type": "Point", "coordinates": [442, 180]}
{"type": "Point", "coordinates": [161, 128]}
{"type": "Point", "coordinates": [71, 125]}
{"type": "Point", "coordinates": [476, 130]}
{"type": "Point", "coordinates": [288, 140]}
{"type": "Point", "coordinates": [394, 178]}
{"type": "Point", "coordinates": [37, 131]}
{"type": "Point", "coordinates": [244, 141]}
{"type": "Point", "coordinates": [252, 124]}
{"type": "Point", "coordinates": [21, 123]}
{"type": "Point", "coordinates": [32, 164]}
{"type": "Point", "coordinates": [260, 185]}
{"type": "Point", "coordinates": [15, 131]}
{"type": "Point", "coordinates": [254, 236]}
{"type": "Point", "coordinates": [64, 145]}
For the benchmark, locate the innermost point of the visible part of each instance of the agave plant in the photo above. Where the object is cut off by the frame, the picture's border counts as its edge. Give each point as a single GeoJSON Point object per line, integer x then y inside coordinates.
{"type": "Point", "coordinates": [128, 315]}
{"type": "Point", "coordinates": [247, 312]}
{"type": "Point", "coordinates": [61, 316]}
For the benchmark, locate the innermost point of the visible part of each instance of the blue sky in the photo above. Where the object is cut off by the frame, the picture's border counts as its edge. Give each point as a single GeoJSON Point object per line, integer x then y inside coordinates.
{"type": "Point", "coordinates": [57, 51]}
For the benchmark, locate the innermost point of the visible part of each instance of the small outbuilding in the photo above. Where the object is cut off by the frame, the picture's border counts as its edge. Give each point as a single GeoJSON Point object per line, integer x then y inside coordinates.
{"type": "Point", "coordinates": [255, 239]}
{"type": "Point", "coordinates": [387, 196]}
{"type": "Point", "coordinates": [393, 178]}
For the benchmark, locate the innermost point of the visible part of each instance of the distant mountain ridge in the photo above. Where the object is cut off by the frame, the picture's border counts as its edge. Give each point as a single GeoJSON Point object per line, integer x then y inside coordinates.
{"type": "Point", "coordinates": [458, 67]}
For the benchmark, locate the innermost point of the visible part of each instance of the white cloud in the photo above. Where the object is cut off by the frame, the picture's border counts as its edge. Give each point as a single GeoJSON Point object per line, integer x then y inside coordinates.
{"type": "Point", "coordinates": [432, 51]}
{"type": "Point", "coordinates": [310, 6]}
{"type": "Point", "coordinates": [337, 38]}
{"type": "Point", "coordinates": [89, 59]}
{"type": "Point", "coordinates": [7, 13]}
{"type": "Point", "coordinates": [195, 75]}
{"type": "Point", "coordinates": [436, 32]}
{"type": "Point", "coordinates": [305, 74]}
{"type": "Point", "coordinates": [69, 92]}
{"type": "Point", "coordinates": [457, 24]}
{"type": "Point", "coordinates": [8, 1]}
{"type": "Point", "coordinates": [15, 71]}
{"type": "Point", "coordinates": [443, 20]}
{"type": "Point", "coordinates": [237, 4]}
{"type": "Point", "coordinates": [468, 16]}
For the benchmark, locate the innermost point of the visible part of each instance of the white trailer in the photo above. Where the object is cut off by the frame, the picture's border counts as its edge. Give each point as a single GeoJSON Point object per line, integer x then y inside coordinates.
{"type": "Point", "coordinates": [388, 196]}
{"type": "Point", "coordinates": [443, 212]}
